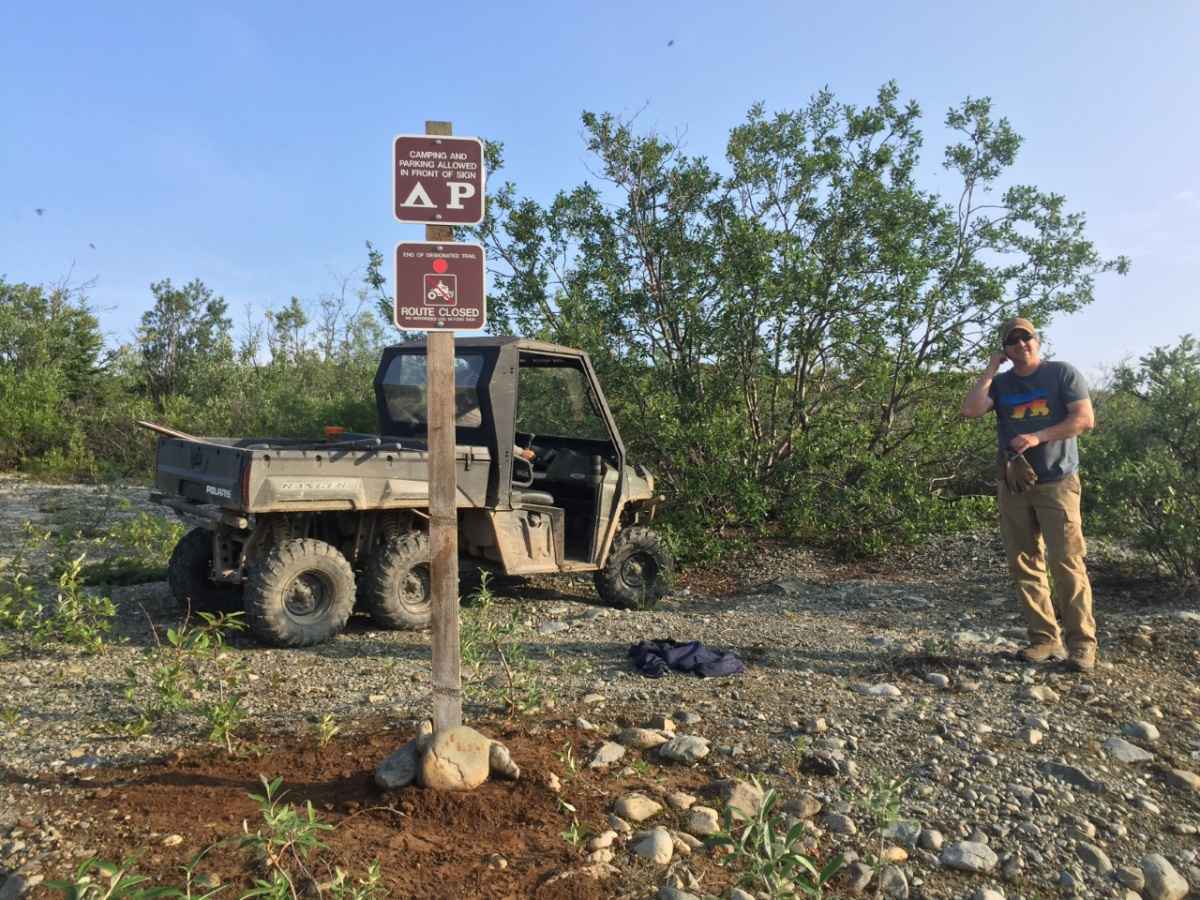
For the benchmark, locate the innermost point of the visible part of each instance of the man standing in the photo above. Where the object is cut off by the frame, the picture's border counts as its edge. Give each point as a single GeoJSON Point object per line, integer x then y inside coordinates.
{"type": "Point", "coordinates": [1041, 408]}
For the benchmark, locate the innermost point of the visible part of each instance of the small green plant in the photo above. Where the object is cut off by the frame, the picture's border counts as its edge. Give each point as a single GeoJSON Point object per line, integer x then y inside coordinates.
{"type": "Point", "coordinates": [193, 672]}
{"type": "Point", "coordinates": [282, 845]}
{"type": "Point", "coordinates": [566, 756]}
{"type": "Point", "coordinates": [798, 748]}
{"type": "Point", "coordinates": [75, 616]}
{"type": "Point", "coordinates": [10, 716]}
{"type": "Point", "coordinates": [576, 835]}
{"type": "Point", "coordinates": [48, 602]}
{"type": "Point", "coordinates": [96, 880]}
{"type": "Point", "coordinates": [494, 662]}
{"type": "Point", "coordinates": [883, 807]}
{"type": "Point", "coordinates": [326, 729]}
{"type": "Point", "coordinates": [764, 854]}
{"type": "Point", "coordinates": [937, 647]}
{"type": "Point", "coordinates": [640, 768]}
{"type": "Point", "coordinates": [135, 550]}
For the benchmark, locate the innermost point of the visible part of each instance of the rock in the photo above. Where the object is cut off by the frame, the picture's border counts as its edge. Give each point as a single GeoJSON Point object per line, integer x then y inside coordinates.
{"type": "Point", "coordinates": [892, 883]}
{"type": "Point", "coordinates": [1074, 776]}
{"type": "Point", "coordinates": [1182, 778]}
{"type": "Point", "coordinates": [988, 894]}
{"type": "Point", "coordinates": [804, 806]}
{"type": "Point", "coordinates": [1040, 693]}
{"type": "Point", "coordinates": [740, 797]}
{"type": "Point", "coordinates": [1140, 731]}
{"type": "Point", "coordinates": [500, 762]}
{"type": "Point", "coordinates": [969, 856]}
{"type": "Point", "coordinates": [1124, 751]}
{"type": "Point", "coordinates": [903, 833]}
{"type": "Point", "coordinates": [640, 738]}
{"type": "Point", "coordinates": [1030, 736]}
{"type": "Point", "coordinates": [685, 748]}
{"type": "Point", "coordinates": [655, 846]}
{"type": "Point", "coordinates": [666, 892]}
{"type": "Point", "coordinates": [399, 768]}
{"type": "Point", "coordinates": [636, 807]}
{"type": "Point", "coordinates": [703, 821]}
{"type": "Point", "coordinates": [875, 690]}
{"type": "Point", "coordinates": [457, 759]}
{"type": "Point", "coordinates": [931, 839]}
{"type": "Point", "coordinates": [17, 886]}
{"type": "Point", "coordinates": [1094, 858]}
{"type": "Point", "coordinates": [1130, 877]}
{"type": "Point", "coordinates": [839, 823]}
{"type": "Point", "coordinates": [606, 754]}
{"type": "Point", "coordinates": [602, 841]}
{"type": "Point", "coordinates": [679, 800]}
{"type": "Point", "coordinates": [858, 875]}
{"type": "Point", "coordinates": [1162, 882]}
{"type": "Point", "coordinates": [424, 734]}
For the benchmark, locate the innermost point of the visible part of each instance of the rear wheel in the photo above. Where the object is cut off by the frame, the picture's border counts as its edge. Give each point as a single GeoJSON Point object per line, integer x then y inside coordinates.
{"type": "Point", "coordinates": [396, 590]}
{"type": "Point", "coordinates": [189, 576]}
{"type": "Point", "coordinates": [637, 572]}
{"type": "Point", "coordinates": [300, 593]}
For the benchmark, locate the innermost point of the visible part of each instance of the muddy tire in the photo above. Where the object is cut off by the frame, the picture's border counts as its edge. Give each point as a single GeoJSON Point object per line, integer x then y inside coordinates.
{"type": "Point", "coordinates": [189, 576]}
{"type": "Point", "coordinates": [638, 571]}
{"type": "Point", "coordinates": [300, 593]}
{"type": "Point", "coordinates": [397, 590]}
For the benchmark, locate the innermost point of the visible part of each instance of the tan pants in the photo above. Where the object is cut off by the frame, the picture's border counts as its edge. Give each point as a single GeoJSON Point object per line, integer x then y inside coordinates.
{"type": "Point", "coordinates": [1040, 526]}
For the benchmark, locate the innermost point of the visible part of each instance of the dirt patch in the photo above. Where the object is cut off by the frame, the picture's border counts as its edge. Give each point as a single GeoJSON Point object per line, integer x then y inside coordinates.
{"type": "Point", "coordinates": [503, 840]}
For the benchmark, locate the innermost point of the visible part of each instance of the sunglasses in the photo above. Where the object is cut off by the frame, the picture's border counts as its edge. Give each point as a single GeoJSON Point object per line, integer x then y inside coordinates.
{"type": "Point", "coordinates": [1018, 339]}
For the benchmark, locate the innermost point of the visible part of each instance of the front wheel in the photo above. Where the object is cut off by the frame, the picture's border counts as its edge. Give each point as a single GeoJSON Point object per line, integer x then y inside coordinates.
{"type": "Point", "coordinates": [396, 588]}
{"type": "Point", "coordinates": [638, 570]}
{"type": "Point", "coordinates": [300, 593]}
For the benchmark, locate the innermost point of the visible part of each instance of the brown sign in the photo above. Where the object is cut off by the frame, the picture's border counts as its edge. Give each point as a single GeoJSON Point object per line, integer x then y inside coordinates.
{"type": "Point", "coordinates": [440, 286]}
{"type": "Point", "coordinates": [438, 180]}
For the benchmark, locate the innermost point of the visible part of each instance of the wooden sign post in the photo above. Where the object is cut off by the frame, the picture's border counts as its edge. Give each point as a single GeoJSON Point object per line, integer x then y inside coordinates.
{"type": "Point", "coordinates": [444, 648]}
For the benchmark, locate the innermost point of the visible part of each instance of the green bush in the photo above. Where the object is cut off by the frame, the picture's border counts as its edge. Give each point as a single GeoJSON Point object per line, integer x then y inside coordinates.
{"type": "Point", "coordinates": [1144, 459]}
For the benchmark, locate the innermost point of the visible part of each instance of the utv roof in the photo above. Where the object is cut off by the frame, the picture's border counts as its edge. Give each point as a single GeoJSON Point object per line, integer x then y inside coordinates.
{"type": "Point", "coordinates": [502, 340]}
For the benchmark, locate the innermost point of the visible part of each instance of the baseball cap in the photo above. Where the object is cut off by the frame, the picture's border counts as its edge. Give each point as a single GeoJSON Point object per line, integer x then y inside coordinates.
{"type": "Point", "coordinates": [1011, 325]}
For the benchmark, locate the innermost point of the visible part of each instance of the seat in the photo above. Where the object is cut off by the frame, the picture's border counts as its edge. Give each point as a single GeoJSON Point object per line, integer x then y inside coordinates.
{"type": "Point", "coordinates": [527, 497]}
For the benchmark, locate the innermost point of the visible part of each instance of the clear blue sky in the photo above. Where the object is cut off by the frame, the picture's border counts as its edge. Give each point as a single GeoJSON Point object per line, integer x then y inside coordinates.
{"type": "Point", "coordinates": [247, 144]}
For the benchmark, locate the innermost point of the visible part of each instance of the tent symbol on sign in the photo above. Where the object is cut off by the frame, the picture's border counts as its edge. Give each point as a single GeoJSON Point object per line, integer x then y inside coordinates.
{"type": "Point", "coordinates": [441, 290]}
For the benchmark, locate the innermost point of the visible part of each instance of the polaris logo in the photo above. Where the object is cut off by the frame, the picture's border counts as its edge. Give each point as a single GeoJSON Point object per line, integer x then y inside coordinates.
{"type": "Point", "coordinates": [218, 492]}
{"type": "Point", "coordinates": [314, 486]}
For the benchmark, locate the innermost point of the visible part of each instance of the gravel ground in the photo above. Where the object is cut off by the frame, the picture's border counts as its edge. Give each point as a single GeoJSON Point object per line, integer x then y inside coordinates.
{"type": "Point", "coordinates": [1071, 781]}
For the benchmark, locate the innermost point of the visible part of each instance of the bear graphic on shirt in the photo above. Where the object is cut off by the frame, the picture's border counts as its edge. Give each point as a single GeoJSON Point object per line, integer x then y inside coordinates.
{"type": "Point", "coordinates": [1032, 405]}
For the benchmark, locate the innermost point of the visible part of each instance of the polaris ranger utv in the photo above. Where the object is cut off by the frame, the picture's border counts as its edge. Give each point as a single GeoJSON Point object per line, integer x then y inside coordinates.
{"type": "Point", "coordinates": [298, 532]}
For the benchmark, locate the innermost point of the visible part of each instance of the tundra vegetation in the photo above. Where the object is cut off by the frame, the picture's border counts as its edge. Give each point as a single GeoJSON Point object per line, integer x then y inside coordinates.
{"type": "Point", "coordinates": [785, 336]}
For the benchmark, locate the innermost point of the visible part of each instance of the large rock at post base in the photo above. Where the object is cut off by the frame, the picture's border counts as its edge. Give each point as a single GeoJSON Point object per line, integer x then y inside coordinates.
{"type": "Point", "coordinates": [400, 768]}
{"type": "Point", "coordinates": [456, 759]}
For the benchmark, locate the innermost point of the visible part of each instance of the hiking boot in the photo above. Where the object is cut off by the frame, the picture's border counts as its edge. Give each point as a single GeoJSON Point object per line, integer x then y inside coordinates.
{"type": "Point", "coordinates": [1082, 658]}
{"type": "Point", "coordinates": [1040, 653]}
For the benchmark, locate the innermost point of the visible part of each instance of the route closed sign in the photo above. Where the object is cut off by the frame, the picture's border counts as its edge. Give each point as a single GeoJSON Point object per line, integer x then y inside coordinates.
{"type": "Point", "coordinates": [440, 286]}
{"type": "Point", "coordinates": [438, 180]}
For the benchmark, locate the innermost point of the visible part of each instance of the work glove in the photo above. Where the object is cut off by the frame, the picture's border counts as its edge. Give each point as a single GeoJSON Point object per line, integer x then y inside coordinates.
{"type": "Point", "coordinates": [1018, 473]}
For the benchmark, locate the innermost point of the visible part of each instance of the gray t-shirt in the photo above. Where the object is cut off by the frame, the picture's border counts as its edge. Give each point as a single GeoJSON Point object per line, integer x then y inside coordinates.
{"type": "Point", "coordinates": [1039, 400]}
